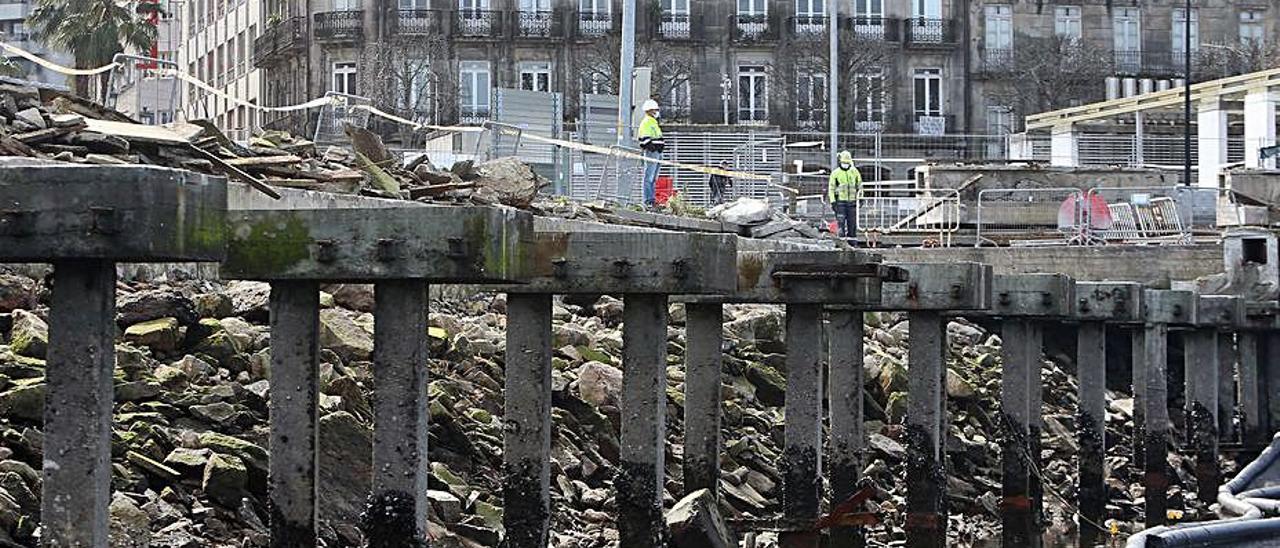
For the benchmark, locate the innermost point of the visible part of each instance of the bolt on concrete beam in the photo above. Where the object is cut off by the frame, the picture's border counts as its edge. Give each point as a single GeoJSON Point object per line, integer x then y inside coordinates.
{"type": "Point", "coordinates": [1112, 302]}
{"type": "Point", "coordinates": [942, 287]}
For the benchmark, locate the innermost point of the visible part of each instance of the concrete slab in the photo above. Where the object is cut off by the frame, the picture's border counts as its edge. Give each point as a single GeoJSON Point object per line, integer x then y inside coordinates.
{"type": "Point", "coordinates": [1044, 296]}
{"type": "Point", "coordinates": [1156, 265]}
{"type": "Point", "coordinates": [1115, 302]}
{"type": "Point", "coordinates": [944, 287]}
{"type": "Point", "coordinates": [1172, 307]}
{"type": "Point", "coordinates": [1221, 311]}
{"type": "Point", "coordinates": [55, 211]}
{"type": "Point", "coordinates": [436, 244]}
{"type": "Point", "coordinates": [668, 263]}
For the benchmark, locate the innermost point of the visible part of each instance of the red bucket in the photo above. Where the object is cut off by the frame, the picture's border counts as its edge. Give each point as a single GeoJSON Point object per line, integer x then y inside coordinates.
{"type": "Point", "coordinates": [663, 189]}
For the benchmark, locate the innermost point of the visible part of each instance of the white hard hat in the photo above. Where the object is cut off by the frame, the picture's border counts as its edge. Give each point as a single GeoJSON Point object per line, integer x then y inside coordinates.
{"type": "Point", "coordinates": [650, 105]}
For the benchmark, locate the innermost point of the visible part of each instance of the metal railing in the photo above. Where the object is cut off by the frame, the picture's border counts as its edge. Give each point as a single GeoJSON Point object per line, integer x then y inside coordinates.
{"type": "Point", "coordinates": [995, 61]}
{"type": "Point", "coordinates": [675, 26]}
{"type": "Point", "coordinates": [899, 207]}
{"type": "Point", "coordinates": [339, 113]}
{"type": "Point", "coordinates": [478, 24]}
{"type": "Point", "coordinates": [421, 22]}
{"type": "Point", "coordinates": [339, 25]}
{"type": "Point", "coordinates": [873, 28]}
{"type": "Point", "coordinates": [921, 32]}
{"type": "Point", "coordinates": [595, 24]}
{"type": "Point", "coordinates": [538, 24]}
{"type": "Point", "coordinates": [280, 38]}
{"type": "Point", "coordinates": [1029, 216]}
{"type": "Point", "coordinates": [753, 27]}
{"type": "Point", "coordinates": [808, 27]}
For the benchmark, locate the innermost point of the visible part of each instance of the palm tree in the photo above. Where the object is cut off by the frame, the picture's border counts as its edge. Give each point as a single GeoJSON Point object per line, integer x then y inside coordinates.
{"type": "Point", "coordinates": [94, 31]}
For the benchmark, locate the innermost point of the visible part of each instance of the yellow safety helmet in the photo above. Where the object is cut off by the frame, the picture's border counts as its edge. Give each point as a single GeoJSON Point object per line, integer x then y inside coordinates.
{"type": "Point", "coordinates": [846, 157]}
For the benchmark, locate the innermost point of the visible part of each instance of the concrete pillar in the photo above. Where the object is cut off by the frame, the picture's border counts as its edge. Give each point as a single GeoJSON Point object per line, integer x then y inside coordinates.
{"type": "Point", "coordinates": [1140, 138]}
{"type": "Point", "coordinates": [1259, 127]}
{"type": "Point", "coordinates": [77, 408]}
{"type": "Point", "coordinates": [1253, 426]}
{"type": "Point", "coordinates": [639, 482]}
{"type": "Point", "coordinates": [1020, 377]}
{"type": "Point", "coordinates": [926, 431]}
{"type": "Point", "coordinates": [1200, 349]}
{"type": "Point", "coordinates": [1091, 367]}
{"type": "Point", "coordinates": [295, 388]}
{"type": "Point", "coordinates": [802, 454]}
{"type": "Point", "coordinates": [703, 354]}
{"type": "Point", "coordinates": [1138, 344]}
{"type": "Point", "coordinates": [1226, 386]}
{"type": "Point", "coordinates": [400, 464]}
{"type": "Point", "coordinates": [1064, 146]}
{"type": "Point", "coordinates": [846, 378]}
{"type": "Point", "coordinates": [526, 449]}
{"type": "Point", "coordinates": [1154, 434]}
{"type": "Point", "coordinates": [1212, 146]}
{"type": "Point", "coordinates": [1271, 381]}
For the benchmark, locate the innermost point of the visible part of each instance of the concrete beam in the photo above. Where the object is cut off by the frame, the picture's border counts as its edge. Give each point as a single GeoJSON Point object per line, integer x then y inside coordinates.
{"type": "Point", "coordinates": [1115, 302]}
{"type": "Point", "coordinates": [1227, 386]}
{"type": "Point", "coordinates": [1202, 378]}
{"type": "Point", "coordinates": [1170, 307]}
{"type": "Point", "coordinates": [1151, 264]}
{"type": "Point", "coordinates": [1253, 419]}
{"type": "Point", "coordinates": [802, 454]}
{"type": "Point", "coordinates": [1091, 367]}
{"type": "Point", "coordinates": [1043, 296]}
{"type": "Point", "coordinates": [435, 244]}
{"type": "Point", "coordinates": [667, 263]}
{"type": "Point", "coordinates": [943, 287]}
{"type": "Point", "coordinates": [1153, 432]}
{"type": "Point", "coordinates": [1019, 410]}
{"type": "Point", "coordinates": [1224, 312]}
{"type": "Point", "coordinates": [1259, 126]}
{"type": "Point", "coordinates": [57, 211]}
{"type": "Point", "coordinates": [1211, 124]}
{"type": "Point", "coordinates": [812, 277]}
{"type": "Point", "coordinates": [704, 336]}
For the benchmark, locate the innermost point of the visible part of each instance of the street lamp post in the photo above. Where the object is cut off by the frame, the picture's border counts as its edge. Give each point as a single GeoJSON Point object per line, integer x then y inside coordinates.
{"type": "Point", "coordinates": [726, 93]}
{"type": "Point", "coordinates": [1186, 104]}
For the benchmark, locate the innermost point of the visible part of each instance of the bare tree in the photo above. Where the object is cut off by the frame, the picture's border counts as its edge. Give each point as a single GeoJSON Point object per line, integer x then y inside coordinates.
{"type": "Point", "coordinates": [865, 59]}
{"type": "Point", "coordinates": [599, 62]}
{"type": "Point", "coordinates": [1048, 73]}
{"type": "Point", "coordinates": [1220, 60]}
{"type": "Point", "coordinates": [410, 77]}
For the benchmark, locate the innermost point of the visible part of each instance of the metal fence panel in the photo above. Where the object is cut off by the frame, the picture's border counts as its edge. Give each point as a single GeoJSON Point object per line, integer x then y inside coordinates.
{"type": "Point", "coordinates": [533, 112]}
{"type": "Point", "coordinates": [900, 208]}
{"type": "Point", "coordinates": [1021, 216]}
{"type": "Point", "coordinates": [337, 114]}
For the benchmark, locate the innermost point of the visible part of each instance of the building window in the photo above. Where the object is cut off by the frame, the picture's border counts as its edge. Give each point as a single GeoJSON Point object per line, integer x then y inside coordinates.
{"type": "Point", "coordinates": [999, 120]}
{"type": "Point", "coordinates": [594, 17]}
{"type": "Point", "coordinates": [346, 5]}
{"type": "Point", "coordinates": [535, 76]}
{"type": "Point", "coordinates": [926, 9]}
{"type": "Point", "coordinates": [1066, 22]}
{"type": "Point", "coordinates": [1180, 27]}
{"type": "Point", "coordinates": [675, 19]}
{"type": "Point", "coordinates": [474, 93]}
{"type": "Point", "coordinates": [999, 29]}
{"type": "Point", "coordinates": [416, 97]}
{"type": "Point", "coordinates": [344, 78]}
{"type": "Point", "coordinates": [869, 19]}
{"type": "Point", "coordinates": [1251, 29]}
{"type": "Point", "coordinates": [1126, 24]}
{"type": "Point", "coordinates": [415, 5]}
{"type": "Point", "coordinates": [753, 18]}
{"type": "Point", "coordinates": [675, 101]}
{"type": "Point", "coordinates": [753, 94]}
{"type": "Point", "coordinates": [928, 101]}
{"type": "Point", "coordinates": [811, 99]}
{"type": "Point", "coordinates": [869, 101]}
{"type": "Point", "coordinates": [811, 17]}
{"type": "Point", "coordinates": [596, 84]}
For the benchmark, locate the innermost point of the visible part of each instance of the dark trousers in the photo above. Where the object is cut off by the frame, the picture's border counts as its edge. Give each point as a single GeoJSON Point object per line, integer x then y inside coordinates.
{"type": "Point", "coordinates": [847, 217]}
{"type": "Point", "coordinates": [717, 190]}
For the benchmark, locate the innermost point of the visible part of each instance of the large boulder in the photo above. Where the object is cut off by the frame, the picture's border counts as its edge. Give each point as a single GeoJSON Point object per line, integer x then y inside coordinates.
{"type": "Point", "coordinates": [160, 335]}
{"type": "Point", "coordinates": [743, 211]}
{"type": "Point", "coordinates": [341, 334]}
{"type": "Point", "coordinates": [600, 384]}
{"type": "Point", "coordinates": [143, 306]}
{"type": "Point", "coordinates": [357, 297]}
{"type": "Point", "coordinates": [130, 525]}
{"type": "Point", "coordinates": [23, 402]}
{"type": "Point", "coordinates": [249, 300]}
{"type": "Point", "coordinates": [17, 292]}
{"type": "Point", "coordinates": [346, 467]}
{"type": "Point", "coordinates": [512, 181]}
{"type": "Point", "coordinates": [695, 522]}
{"type": "Point", "coordinates": [30, 335]}
{"type": "Point", "coordinates": [225, 480]}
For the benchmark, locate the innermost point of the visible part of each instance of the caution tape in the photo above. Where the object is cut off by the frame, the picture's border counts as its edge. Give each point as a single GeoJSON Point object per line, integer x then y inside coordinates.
{"type": "Point", "coordinates": [334, 100]}
{"type": "Point", "coordinates": [54, 66]}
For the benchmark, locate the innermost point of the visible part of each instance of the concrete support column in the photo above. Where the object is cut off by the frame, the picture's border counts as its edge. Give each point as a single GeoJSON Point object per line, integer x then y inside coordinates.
{"type": "Point", "coordinates": [639, 482]}
{"type": "Point", "coordinates": [1226, 386]}
{"type": "Point", "coordinates": [802, 454]}
{"type": "Point", "coordinates": [1020, 378]}
{"type": "Point", "coordinates": [295, 388]}
{"type": "Point", "coordinates": [1271, 381]}
{"type": "Point", "coordinates": [400, 464]}
{"type": "Point", "coordinates": [526, 448]}
{"type": "Point", "coordinates": [1154, 433]}
{"type": "Point", "coordinates": [1140, 137]}
{"type": "Point", "coordinates": [1259, 127]}
{"type": "Point", "coordinates": [1064, 146]}
{"type": "Point", "coordinates": [1253, 426]}
{"type": "Point", "coordinates": [1138, 369]}
{"type": "Point", "coordinates": [703, 355]}
{"type": "Point", "coordinates": [1200, 348]}
{"type": "Point", "coordinates": [77, 408]}
{"type": "Point", "coordinates": [846, 378]}
{"type": "Point", "coordinates": [926, 525]}
{"type": "Point", "coordinates": [1091, 367]}
{"type": "Point", "coordinates": [1212, 147]}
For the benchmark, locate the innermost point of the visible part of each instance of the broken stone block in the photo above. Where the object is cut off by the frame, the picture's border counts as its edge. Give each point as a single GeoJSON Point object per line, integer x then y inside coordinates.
{"type": "Point", "coordinates": [695, 522]}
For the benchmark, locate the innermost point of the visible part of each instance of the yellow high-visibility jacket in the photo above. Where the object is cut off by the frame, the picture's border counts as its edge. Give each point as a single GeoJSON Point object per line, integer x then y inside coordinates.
{"type": "Point", "coordinates": [650, 135]}
{"type": "Point", "coordinates": [845, 185]}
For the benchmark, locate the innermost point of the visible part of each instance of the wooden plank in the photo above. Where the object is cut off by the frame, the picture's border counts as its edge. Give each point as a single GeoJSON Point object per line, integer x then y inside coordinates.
{"type": "Point", "coordinates": [174, 134]}
{"type": "Point", "coordinates": [263, 161]}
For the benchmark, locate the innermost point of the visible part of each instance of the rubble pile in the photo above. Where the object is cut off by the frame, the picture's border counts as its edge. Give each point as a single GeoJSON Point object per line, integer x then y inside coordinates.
{"type": "Point", "coordinates": [190, 447]}
{"type": "Point", "coordinates": [761, 221]}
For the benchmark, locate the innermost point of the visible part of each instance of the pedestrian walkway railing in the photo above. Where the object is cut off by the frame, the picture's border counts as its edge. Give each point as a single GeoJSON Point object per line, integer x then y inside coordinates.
{"type": "Point", "coordinates": [889, 209]}
{"type": "Point", "coordinates": [1023, 216]}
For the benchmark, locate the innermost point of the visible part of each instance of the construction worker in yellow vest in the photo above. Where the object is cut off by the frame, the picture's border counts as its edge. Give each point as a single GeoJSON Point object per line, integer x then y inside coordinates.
{"type": "Point", "coordinates": [650, 139]}
{"type": "Point", "coordinates": [843, 190]}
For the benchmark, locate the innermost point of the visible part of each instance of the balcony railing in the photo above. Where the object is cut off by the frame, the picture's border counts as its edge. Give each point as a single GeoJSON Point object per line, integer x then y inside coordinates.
{"type": "Point", "coordinates": [808, 27]}
{"type": "Point", "coordinates": [753, 27]}
{"type": "Point", "coordinates": [421, 22]}
{"type": "Point", "coordinates": [932, 124]}
{"type": "Point", "coordinates": [926, 33]}
{"type": "Point", "coordinates": [538, 24]}
{"type": "Point", "coordinates": [812, 118]}
{"type": "Point", "coordinates": [280, 38]}
{"type": "Point", "coordinates": [882, 29]}
{"type": "Point", "coordinates": [595, 24]}
{"type": "Point", "coordinates": [996, 61]}
{"type": "Point", "coordinates": [477, 24]}
{"type": "Point", "coordinates": [758, 115]}
{"type": "Point", "coordinates": [473, 114]}
{"type": "Point", "coordinates": [675, 26]}
{"type": "Point", "coordinates": [339, 25]}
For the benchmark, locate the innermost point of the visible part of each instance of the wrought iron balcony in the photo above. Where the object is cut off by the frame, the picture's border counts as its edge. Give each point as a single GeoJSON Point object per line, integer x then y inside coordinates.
{"type": "Point", "coordinates": [339, 25]}
{"type": "Point", "coordinates": [539, 24]}
{"type": "Point", "coordinates": [929, 33]}
{"type": "Point", "coordinates": [753, 27]}
{"type": "Point", "coordinates": [879, 29]}
{"type": "Point", "coordinates": [995, 62]}
{"type": "Point", "coordinates": [678, 26]}
{"type": "Point", "coordinates": [808, 27]}
{"type": "Point", "coordinates": [473, 114]}
{"type": "Point", "coordinates": [477, 24]}
{"type": "Point", "coordinates": [283, 37]}
{"type": "Point", "coordinates": [595, 24]}
{"type": "Point", "coordinates": [812, 118]}
{"type": "Point", "coordinates": [422, 22]}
